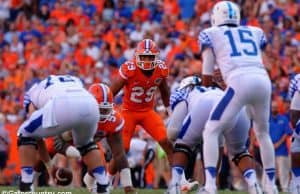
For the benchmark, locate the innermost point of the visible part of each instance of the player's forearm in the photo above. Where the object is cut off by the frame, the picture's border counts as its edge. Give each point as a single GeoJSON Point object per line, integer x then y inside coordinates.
{"type": "Point", "coordinates": [207, 80]}
{"type": "Point", "coordinates": [118, 152]}
{"type": "Point", "coordinates": [280, 141]}
{"type": "Point", "coordinates": [43, 152]}
{"type": "Point", "coordinates": [166, 101]}
{"type": "Point", "coordinates": [165, 93]}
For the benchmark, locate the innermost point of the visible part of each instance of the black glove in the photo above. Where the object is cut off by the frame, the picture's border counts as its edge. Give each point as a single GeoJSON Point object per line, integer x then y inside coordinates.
{"type": "Point", "coordinates": [108, 155]}
{"type": "Point", "coordinates": [60, 145]}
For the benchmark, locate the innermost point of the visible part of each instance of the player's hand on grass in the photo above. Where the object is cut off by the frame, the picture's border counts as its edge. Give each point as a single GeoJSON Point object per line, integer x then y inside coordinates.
{"type": "Point", "coordinates": [130, 190]}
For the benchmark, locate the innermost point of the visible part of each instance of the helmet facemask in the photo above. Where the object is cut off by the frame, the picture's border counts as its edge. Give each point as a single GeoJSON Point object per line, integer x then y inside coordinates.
{"type": "Point", "coordinates": [105, 109]}
{"type": "Point", "coordinates": [146, 61]}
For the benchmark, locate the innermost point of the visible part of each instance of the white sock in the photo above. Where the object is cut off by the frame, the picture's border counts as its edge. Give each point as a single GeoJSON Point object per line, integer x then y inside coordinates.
{"type": "Point", "coordinates": [183, 179]}
{"type": "Point", "coordinates": [100, 175]}
{"type": "Point", "coordinates": [211, 155]}
{"type": "Point", "coordinates": [89, 181]}
{"type": "Point", "coordinates": [177, 172]}
{"type": "Point", "coordinates": [267, 154]}
{"type": "Point", "coordinates": [270, 176]}
{"type": "Point", "coordinates": [210, 178]}
{"type": "Point", "coordinates": [250, 176]}
{"type": "Point", "coordinates": [27, 174]}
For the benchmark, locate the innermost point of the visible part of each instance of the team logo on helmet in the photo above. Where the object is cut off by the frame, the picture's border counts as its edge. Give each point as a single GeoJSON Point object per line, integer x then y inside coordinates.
{"type": "Point", "coordinates": [146, 54]}
{"type": "Point", "coordinates": [104, 97]}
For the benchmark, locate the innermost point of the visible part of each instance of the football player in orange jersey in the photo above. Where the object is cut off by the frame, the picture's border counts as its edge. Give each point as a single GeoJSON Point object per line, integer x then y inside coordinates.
{"type": "Point", "coordinates": [140, 79]}
{"type": "Point", "coordinates": [110, 126]}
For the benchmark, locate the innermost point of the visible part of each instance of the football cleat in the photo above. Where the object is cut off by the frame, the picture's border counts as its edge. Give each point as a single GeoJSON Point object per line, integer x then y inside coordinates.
{"type": "Point", "coordinates": [202, 190]}
{"type": "Point", "coordinates": [173, 189]}
{"type": "Point", "coordinates": [189, 186]}
{"type": "Point", "coordinates": [255, 189]}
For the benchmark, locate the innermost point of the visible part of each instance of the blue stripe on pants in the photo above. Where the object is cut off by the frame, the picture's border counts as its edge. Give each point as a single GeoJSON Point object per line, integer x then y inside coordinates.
{"type": "Point", "coordinates": [184, 128]}
{"type": "Point", "coordinates": [216, 115]}
{"type": "Point", "coordinates": [34, 124]}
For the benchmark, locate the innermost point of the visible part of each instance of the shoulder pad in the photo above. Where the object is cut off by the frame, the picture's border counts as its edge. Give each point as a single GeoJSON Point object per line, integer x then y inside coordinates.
{"type": "Point", "coordinates": [127, 69]}
{"type": "Point", "coordinates": [163, 68]}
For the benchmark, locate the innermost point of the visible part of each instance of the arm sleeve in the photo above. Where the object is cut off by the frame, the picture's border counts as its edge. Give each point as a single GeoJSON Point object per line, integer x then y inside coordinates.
{"type": "Point", "coordinates": [176, 97]}
{"type": "Point", "coordinates": [292, 88]}
{"type": "Point", "coordinates": [204, 41]}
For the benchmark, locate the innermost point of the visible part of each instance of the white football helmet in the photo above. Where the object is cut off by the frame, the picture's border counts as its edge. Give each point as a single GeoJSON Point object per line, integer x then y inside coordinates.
{"type": "Point", "coordinates": [189, 81]}
{"type": "Point", "coordinates": [225, 12]}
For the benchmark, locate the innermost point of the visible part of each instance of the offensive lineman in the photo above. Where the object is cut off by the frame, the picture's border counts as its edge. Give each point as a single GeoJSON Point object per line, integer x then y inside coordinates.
{"type": "Point", "coordinates": [199, 102]}
{"type": "Point", "coordinates": [61, 103]}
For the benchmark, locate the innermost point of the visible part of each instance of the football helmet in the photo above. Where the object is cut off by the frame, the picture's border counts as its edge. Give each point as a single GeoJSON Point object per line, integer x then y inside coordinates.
{"type": "Point", "coordinates": [225, 12]}
{"type": "Point", "coordinates": [189, 81]}
{"type": "Point", "coordinates": [104, 97]}
{"type": "Point", "coordinates": [146, 54]}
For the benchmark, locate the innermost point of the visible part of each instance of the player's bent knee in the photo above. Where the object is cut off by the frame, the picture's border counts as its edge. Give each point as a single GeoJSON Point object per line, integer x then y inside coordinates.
{"type": "Point", "coordinates": [87, 148]}
{"type": "Point", "coordinates": [238, 157]}
{"type": "Point", "coordinates": [183, 149]}
{"type": "Point", "coordinates": [27, 141]}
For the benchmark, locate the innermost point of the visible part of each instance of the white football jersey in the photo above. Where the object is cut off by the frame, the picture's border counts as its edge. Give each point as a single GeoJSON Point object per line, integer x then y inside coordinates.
{"type": "Point", "coordinates": [187, 95]}
{"type": "Point", "coordinates": [237, 50]}
{"type": "Point", "coordinates": [53, 86]}
{"type": "Point", "coordinates": [194, 95]}
{"type": "Point", "coordinates": [294, 85]}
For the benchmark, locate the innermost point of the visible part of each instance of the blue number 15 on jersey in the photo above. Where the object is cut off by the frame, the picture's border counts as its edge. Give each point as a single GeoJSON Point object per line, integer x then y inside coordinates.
{"type": "Point", "coordinates": [243, 45]}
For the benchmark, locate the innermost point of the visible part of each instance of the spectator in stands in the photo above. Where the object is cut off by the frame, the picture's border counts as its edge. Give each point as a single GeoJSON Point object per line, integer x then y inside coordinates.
{"type": "Point", "coordinates": [280, 131]}
{"type": "Point", "coordinates": [4, 149]}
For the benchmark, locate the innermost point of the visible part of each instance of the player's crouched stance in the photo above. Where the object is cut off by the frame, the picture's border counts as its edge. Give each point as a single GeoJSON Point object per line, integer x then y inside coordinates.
{"type": "Point", "coordinates": [199, 102]}
{"type": "Point", "coordinates": [110, 126]}
{"type": "Point", "coordinates": [61, 103]}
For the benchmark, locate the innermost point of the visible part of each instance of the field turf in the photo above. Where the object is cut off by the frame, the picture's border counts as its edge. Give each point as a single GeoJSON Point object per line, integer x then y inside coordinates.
{"type": "Point", "coordinates": [51, 190]}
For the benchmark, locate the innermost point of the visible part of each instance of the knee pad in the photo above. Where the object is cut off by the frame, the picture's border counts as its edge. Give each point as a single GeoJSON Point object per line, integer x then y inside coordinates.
{"type": "Point", "coordinates": [87, 148]}
{"type": "Point", "coordinates": [237, 158]}
{"type": "Point", "coordinates": [184, 149]}
{"type": "Point", "coordinates": [27, 141]}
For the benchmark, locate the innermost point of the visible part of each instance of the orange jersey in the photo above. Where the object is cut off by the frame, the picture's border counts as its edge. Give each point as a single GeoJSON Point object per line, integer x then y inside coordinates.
{"type": "Point", "coordinates": [139, 89]}
{"type": "Point", "coordinates": [112, 125]}
{"type": "Point", "coordinates": [49, 141]}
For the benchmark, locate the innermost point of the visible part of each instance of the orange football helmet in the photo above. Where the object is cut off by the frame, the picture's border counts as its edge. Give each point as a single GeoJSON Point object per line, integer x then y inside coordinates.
{"type": "Point", "coordinates": [146, 54]}
{"type": "Point", "coordinates": [104, 97]}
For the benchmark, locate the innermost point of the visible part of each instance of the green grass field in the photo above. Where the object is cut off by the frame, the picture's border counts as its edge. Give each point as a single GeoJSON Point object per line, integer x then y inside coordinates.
{"type": "Point", "coordinates": [49, 190]}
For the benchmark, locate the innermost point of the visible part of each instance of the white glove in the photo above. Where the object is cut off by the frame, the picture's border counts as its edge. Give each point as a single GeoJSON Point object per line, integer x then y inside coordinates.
{"type": "Point", "coordinates": [72, 152]}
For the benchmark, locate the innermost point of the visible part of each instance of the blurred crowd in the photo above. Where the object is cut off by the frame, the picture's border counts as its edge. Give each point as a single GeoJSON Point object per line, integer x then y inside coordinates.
{"type": "Point", "coordinates": [92, 38]}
